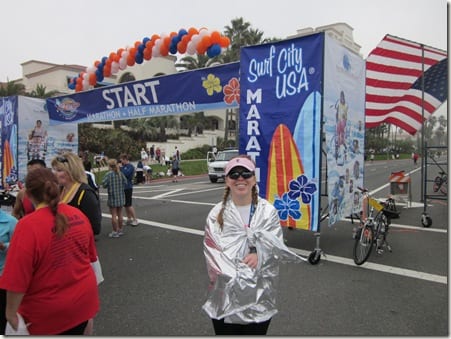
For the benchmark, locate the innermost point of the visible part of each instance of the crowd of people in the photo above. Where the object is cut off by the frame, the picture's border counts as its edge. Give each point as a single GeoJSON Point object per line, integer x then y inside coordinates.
{"type": "Point", "coordinates": [50, 268]}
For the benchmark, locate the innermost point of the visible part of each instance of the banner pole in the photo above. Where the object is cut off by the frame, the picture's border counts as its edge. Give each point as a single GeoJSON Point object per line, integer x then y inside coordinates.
{"type": "Point", "coordinates": [422, 124]}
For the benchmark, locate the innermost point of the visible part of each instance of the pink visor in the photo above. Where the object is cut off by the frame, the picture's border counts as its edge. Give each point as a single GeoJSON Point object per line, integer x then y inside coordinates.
{"type": "Point", "coordinates": [239, 162]}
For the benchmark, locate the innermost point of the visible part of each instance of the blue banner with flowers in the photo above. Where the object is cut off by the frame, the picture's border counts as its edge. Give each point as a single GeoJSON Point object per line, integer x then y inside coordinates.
{"type": "Point", "coordinates": [184, 92]}
{"type": "Point", "coordinates": [280, 124]}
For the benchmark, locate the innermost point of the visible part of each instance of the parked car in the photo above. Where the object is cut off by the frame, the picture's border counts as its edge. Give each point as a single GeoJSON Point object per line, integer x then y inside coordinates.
{"type": "Point", "coordinates": [217, 162]}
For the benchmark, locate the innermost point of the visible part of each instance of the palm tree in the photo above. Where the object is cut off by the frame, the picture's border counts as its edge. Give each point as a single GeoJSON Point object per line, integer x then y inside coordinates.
{"type": "Point", "coordinates": [197, 61]}
{"type": "Point", "coordinates": [11, 88]}
{"type": "Point", "coordinates": [40, 92]}
{"type": "Point", "coordinates": [240, 34]}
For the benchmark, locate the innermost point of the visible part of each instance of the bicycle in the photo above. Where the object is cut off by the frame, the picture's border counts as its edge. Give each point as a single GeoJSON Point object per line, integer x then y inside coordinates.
{"type": "Point", "coordinates": [374, 230]}
{"type": "Point", "coordinates": [441, 183]}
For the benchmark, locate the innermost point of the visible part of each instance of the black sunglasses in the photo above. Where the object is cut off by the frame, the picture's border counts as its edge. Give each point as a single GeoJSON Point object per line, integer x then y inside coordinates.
{"type": "Point", "coordinates": [61, 159]}
{"type": "Point", "coordinates": [244, 175]}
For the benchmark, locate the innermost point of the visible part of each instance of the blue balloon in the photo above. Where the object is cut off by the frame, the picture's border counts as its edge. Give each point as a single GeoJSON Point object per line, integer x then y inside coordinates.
{"type": "Point", "coordinates": [99, 77]}
{"type": "Point", "coordinates": [214, 50]}
{"type": "Point", "coordinates": [104, 59]}
{"type": "Point", "coordinates": [173, 49]}
{"type": "Point", "coordinates": [182, 32]}
{"type": "Point", "coordinates": [139, 58]}
{"type": "Point", "coordinates": [145, 40]}
{"type": "Point", "coordinates": [141, 48]}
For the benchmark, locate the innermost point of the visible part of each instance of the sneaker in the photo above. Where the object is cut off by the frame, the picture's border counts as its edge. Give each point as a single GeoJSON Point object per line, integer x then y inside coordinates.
{"type": "Point", "coordinates": [114, 234]}
{"type": "Point", "coordinates": [128, 222]}
{"type": "Point", "coordinates": [120, 232]}
{"type": "Point", "coordinates": [135, 223]}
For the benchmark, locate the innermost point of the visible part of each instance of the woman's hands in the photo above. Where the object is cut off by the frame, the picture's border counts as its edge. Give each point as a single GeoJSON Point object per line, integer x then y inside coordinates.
{"type": "Point", "coordinates": [251, 260]}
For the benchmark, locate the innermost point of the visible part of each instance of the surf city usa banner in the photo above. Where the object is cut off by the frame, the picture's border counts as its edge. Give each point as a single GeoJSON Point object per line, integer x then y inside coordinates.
{"type": "Point", "coordinates": [184, 92]}
{"type": "Point", "coordinates": [280, 124]}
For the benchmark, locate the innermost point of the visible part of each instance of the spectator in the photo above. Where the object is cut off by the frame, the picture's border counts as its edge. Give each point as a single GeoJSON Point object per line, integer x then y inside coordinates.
{"type": "Point", "coordinates": [75, 190]}
{"type": "Point", "coordinates": [115, 182]}
{"type": "Point", "coordinates": [175, 168]}
{"type": "Point", "coordinates": [152, 153]}
{"type": "Point", "coordinates": [157, 155]}
{"type": "Point", "coordinates": [140, 172]}
{"type": "Point", "coordinates": [144, 156]}
{"type": "Point", "coordinates": [23, 204]}
{"type": "Point", "coordinates": [129, 171]}
{"type": "Point", "coordinates": [7, 226]}
{"type": "Point", "coordinates": [90, 176]}
{"type": "Point", "coordinates": [177, 154]}
{"type": "Point", "coordinates": [415, 158]}
{"type": "Point", "coordinates": [49, 264]}
{"type": "Point", "coordinates": [148, 173]}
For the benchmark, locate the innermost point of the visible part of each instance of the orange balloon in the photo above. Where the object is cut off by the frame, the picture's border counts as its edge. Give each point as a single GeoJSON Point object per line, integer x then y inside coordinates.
{"type": "Point", "coordinates": [107, 71]}
{"type": "Point", "coordinates": [206, 41]}
{"type": "Point", "coordinates": [155, 37]}
{"type": "Point", "coordinates": [201, 48]}
{"type": "Point", "coordinates": [130, 60]}
{"type": "Point", "coordinates": [92, 79]}
{"type": "Point", "coordinates": [215, 37]}
{"type": "Point", "coordinates": [164, 50]}
{"type": "Point", "coordinates": [132, 52]}
{"type": "Point", "coordinates": [96, 63]}
{"type": "Point", "coordinates": [185, 39]}
{"type": "Point", "coordinates": [147, 53]}
{"type": "Point", "coordinates": [181, 47]}
{"type": "Point", "coordinates": [167, 42]}
{"type": "Point", "coordinates": [193, 31]}
{"type": "Point", "coordinates": [137, 43]}
{"type": "Point", "coordinates": [224, 42]}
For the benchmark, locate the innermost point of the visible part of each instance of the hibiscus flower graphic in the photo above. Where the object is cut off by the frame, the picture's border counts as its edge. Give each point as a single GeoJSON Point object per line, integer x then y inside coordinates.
{"type": "Point", "coordinates": [302, 187]}
{"type": "Point", "coordinates": [212, 84]}
{"type": "Point", "coordinates": [287, 207]}
{"type": "Point", "coordinates": [232, 91]}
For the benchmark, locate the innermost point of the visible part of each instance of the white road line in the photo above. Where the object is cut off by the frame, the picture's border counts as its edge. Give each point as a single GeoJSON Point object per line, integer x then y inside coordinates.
{"type": "Point", "coordinates": [331, 258]}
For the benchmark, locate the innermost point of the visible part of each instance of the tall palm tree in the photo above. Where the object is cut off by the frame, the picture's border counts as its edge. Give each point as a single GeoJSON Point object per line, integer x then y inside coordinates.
{"type": "Point", "coordinates": [240, 34]}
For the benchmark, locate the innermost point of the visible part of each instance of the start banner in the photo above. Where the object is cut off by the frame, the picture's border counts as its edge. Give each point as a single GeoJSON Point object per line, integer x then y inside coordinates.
{"type": "Point", "coordinates": [184, 92]}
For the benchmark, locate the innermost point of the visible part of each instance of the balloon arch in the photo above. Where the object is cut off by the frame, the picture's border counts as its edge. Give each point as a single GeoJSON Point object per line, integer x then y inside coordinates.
{"type": "Point", "coordinates": [190, 41]}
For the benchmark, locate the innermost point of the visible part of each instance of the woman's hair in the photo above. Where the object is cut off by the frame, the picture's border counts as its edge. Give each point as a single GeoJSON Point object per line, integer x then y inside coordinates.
{"type": "Point", "coordinates": [112, 163]}
{"type": "Point", "coordinates": [72, 164]}
{"type": "Point", "coordinates": [220, 216]}
{"type": "Point", "coordinates": [42, 186]}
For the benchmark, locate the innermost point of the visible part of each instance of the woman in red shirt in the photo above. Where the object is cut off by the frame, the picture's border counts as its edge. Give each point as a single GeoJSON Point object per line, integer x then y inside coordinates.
{"type": "Point", "coordinates": [48, 275]}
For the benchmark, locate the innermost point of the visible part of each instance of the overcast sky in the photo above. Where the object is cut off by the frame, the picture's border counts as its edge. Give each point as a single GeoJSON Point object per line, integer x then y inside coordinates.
{"type": "Point", "coordinates": [80, 32]}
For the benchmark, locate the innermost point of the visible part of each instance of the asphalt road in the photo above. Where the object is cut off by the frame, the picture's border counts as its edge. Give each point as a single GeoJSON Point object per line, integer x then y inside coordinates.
{"type": "Point", "coordinates": [155, 276]}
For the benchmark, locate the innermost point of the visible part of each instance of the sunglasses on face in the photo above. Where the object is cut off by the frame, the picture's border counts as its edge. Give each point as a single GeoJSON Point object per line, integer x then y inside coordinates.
{"type": "Point", "coordinates": [244, 175]}
{"type": "Point", "coordinates": [61, 159]}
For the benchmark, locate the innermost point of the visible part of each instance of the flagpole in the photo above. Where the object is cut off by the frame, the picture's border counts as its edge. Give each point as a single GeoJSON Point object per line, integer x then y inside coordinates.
{"type": "Point", "coordinates": [423, 179]}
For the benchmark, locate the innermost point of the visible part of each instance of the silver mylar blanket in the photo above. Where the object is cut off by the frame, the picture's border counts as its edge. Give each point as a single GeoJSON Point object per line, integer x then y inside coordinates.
{"type": "Point", "coordinates": [237, 292]}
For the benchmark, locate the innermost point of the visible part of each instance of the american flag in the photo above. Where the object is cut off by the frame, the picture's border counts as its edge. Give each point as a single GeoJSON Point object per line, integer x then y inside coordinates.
{"type": "Point", "coordinates": [394, 83]}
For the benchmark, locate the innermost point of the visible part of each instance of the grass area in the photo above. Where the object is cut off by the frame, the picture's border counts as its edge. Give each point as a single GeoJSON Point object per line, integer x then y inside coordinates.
{"type": "Point", "coordinates": [188, 167]}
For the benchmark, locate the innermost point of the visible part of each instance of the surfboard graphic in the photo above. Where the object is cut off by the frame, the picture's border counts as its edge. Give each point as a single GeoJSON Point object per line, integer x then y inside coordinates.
{"type": "Point", "coordinates": [7, 159]}
{"type": "Point", "coordinates": [284, 165]}
{"type": "Point", "coordinates": [307, 137]}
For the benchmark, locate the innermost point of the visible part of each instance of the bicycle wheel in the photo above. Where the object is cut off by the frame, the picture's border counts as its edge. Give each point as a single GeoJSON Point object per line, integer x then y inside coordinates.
{"type": "Point", "coordinates": [363, 244]}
